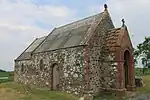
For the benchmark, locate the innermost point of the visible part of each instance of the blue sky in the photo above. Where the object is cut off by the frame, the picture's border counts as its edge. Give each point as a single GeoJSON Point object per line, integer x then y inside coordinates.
{"type": "Point", "coordinates": [21, 21]}
{"type": "Point", "coordinates": [69, 3]}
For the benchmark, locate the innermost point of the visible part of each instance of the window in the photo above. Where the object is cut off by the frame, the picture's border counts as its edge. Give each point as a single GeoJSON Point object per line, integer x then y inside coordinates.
{"type": "Point", "coordinates": [41, 64]}
{"type": "Point", "coordinates": [22, 68]}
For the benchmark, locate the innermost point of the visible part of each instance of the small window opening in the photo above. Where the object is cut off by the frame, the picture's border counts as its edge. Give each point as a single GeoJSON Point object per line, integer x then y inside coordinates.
{"type": "Point", "coordinates": [41, 64]}
{"type": "Point", "coordinates": [22, 68]}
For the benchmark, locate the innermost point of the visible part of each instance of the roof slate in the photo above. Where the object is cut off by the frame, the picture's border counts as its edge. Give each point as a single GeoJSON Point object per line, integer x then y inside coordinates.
{"type": "Point", "coordinates": [68, 35]}
{"type": "Point", "coordinates": [27, 53]}
{"type": "Point", "coordinates": [35, 44]}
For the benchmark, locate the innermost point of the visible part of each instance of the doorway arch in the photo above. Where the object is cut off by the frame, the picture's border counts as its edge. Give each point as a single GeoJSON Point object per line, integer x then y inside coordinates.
{"type": "Point", "coordinates": [127, 67]}
{"type": "Point", "coordinates": [55, 76]}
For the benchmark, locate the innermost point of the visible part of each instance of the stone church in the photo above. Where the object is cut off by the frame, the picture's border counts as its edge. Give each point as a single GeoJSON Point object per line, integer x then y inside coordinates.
{"type": "Point", "coordinates": [87, 55]}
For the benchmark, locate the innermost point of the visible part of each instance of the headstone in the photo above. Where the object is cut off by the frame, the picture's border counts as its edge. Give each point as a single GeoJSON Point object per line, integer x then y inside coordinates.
{"type": "Point", "coordinates": [138, 81]}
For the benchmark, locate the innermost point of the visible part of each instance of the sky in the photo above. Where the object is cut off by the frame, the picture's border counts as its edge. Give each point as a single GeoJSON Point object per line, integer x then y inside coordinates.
{"type": "Point", "coordinates": [21, 21]}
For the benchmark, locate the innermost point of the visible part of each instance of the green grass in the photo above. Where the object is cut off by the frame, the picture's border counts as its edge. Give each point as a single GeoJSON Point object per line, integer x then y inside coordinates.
{"type": "Point", "coordinates": [139, 71]}
{"type": "Point", "coordinates": [109, 97]}
{"type": "Point", "coordinates": [6, 74]}
{"type": "Point", "coordinates": [14, 91]}
{"type": "Point", "coordinates": [146, 88]}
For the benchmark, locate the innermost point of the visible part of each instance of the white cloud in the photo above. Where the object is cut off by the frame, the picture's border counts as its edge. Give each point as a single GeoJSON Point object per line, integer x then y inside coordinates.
{"type": "Point", "coordinates": [21, 21]}
{"type": "Point", "coordinates": [136, 14]}
{"type": "Point", "coordinates": [18, 26]}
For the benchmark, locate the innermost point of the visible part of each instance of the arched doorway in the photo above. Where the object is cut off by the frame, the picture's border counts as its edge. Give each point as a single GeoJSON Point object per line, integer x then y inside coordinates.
{"type": "Point", "coordinates": [127, 65]}
{"type": "Point", "coordinates": [55, 77]}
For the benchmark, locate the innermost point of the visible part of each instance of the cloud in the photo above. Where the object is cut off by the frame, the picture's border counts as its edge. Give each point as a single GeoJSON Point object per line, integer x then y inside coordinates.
{"type": "Point", "coordinates": [135, 12]}
{"type": "Point", "coordinates": [18, 26]}
{"type": "Point", "coordinates": [21, 21]}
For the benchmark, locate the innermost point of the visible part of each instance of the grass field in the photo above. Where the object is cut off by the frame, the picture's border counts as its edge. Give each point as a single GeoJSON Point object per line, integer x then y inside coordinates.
{"type": "Point", "coordinates": [139, 71]}
{"type": "Point", "coordinates": [14, 91]}
{"type": "Point", "coordinates": [10, 90]}
{"type": "Point", "coordinates": [6, 74]}
{"type": "Point", "coordinates": [146, 88]}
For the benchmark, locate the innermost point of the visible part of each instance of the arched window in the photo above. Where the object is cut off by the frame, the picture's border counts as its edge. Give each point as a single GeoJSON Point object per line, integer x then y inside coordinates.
{"type": "Point", "coordinates": [41, 64]}
{"type": "Point", "coordinates": [22, 68]}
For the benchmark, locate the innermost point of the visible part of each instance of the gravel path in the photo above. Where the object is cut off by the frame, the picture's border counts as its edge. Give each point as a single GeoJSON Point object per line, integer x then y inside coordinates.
{"type": "Point", "coordinates": [141, 97]}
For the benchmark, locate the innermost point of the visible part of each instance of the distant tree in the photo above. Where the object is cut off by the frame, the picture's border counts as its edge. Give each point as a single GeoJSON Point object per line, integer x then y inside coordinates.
{"type": "Point", "coordinates": [135, 56]}
{"type": "Point", "coordinates": [2, 70]}
{"type": "Point", "coordinates": [143, 52]}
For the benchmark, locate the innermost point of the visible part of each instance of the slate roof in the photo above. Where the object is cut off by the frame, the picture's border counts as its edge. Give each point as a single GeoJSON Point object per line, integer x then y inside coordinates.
{"type": "Point", "coordinates": [69, 35]}
{"type": "Point", "coordinates": [27, 53]}
{"type": "Point", "coordinates": [35, 44]}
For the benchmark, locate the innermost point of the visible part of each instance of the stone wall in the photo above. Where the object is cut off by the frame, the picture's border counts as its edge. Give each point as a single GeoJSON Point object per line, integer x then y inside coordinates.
{"type": "Point", "coordinates": [102, 68]}
{"type": "Point", "coordinates": [71, 65]}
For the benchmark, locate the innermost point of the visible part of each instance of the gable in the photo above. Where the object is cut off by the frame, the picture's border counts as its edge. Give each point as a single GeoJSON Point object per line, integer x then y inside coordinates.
{"type": "Point", "coordinates": [125, 41]}
{"type": "Point", "coordinates": [118, 37]}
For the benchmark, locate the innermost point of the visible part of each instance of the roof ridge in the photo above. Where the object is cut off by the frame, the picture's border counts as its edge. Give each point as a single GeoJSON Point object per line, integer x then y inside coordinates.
{"type": "Point", "coordinates": [78, 20]}
{"type": "Point", "coordinates": [91, 29]}
{"type": "Point", "coordinates": [42, 37]}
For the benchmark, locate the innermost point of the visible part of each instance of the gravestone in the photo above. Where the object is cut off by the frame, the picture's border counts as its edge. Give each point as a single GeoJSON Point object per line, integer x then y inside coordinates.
{"type": "Point", "coordinates": [138, 81]}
